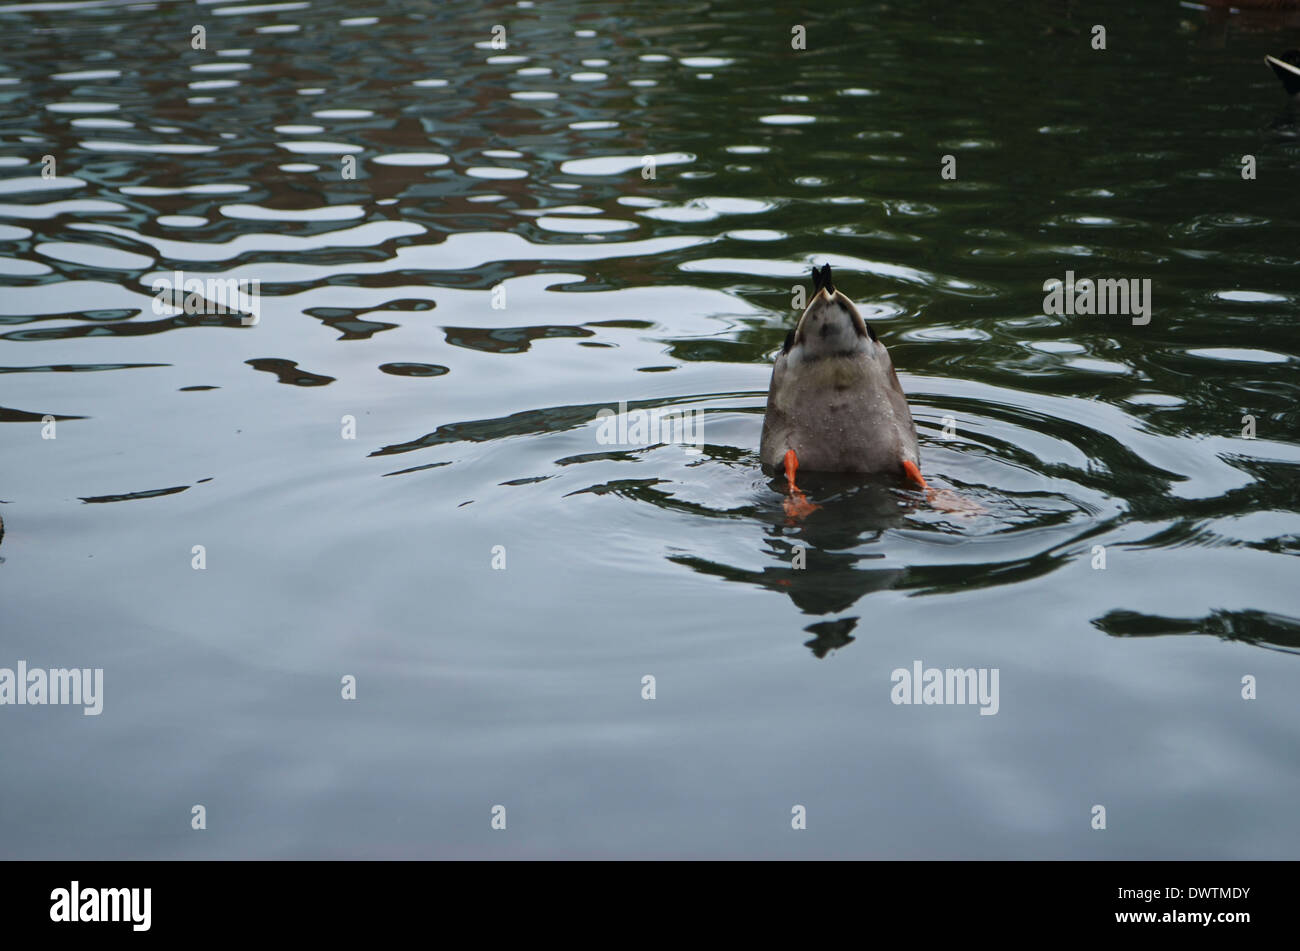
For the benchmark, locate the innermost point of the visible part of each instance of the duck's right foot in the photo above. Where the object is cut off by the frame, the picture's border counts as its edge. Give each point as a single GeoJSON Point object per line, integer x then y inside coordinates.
{"type": "Point", "coordinates": [797, 505]}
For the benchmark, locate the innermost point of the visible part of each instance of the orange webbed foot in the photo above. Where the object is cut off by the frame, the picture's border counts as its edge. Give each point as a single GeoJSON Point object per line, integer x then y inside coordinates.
{"type": "Point", "coordinates": [914, 473]}
{"type": "Point", "coordinates": [943, 500]}
{"type": "Point", "coordinates": [797, 505]}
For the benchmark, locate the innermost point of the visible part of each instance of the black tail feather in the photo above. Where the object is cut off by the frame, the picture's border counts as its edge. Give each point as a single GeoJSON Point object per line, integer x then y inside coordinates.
{"type": "Point", "coordinates": [822, 278]}
{"type": "Point", "coordinates": [1290, 77]}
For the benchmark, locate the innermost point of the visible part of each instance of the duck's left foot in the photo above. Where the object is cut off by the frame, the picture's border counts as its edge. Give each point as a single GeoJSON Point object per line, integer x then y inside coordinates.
{"type": "Point", "coordinates": [914, 473]}
{"type": "Point", "coordinates": [946, 500]}
{"type": "Point", "coordinates": [943, 500]}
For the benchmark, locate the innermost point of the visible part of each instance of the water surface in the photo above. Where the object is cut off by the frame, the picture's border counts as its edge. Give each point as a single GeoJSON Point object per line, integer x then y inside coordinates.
{"type": "Point", "coordinates": [462, 262]}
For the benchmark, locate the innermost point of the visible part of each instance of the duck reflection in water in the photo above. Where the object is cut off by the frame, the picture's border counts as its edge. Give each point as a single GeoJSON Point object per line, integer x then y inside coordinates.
{"type": "Point", "coordinates": [819, 560]}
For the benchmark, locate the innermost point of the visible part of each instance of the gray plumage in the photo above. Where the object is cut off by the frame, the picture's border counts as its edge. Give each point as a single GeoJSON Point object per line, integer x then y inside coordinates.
{"type": "Point", "coordinates": [835, 398]}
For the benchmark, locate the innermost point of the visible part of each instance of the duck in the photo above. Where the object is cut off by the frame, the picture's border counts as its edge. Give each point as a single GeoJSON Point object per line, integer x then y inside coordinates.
{"type": "Point", "coordinates": [1287, 68]}
{"type": "Point", "coordinates": [834, 403]}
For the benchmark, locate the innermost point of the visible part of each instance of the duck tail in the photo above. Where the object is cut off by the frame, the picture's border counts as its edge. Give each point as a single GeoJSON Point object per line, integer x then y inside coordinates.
{"type": "Point", "coordinates": [1287, 68]}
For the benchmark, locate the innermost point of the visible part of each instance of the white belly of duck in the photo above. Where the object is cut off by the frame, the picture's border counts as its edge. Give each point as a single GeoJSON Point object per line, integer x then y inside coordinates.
{"type": "Point", "coordinates": [835, 399]}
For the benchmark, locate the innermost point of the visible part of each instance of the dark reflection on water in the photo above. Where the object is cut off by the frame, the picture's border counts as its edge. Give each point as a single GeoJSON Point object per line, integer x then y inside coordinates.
{"type": "Point", "coordinates": [413, 369]}
{"type": "Point", "coordinates": [288, 371]}
{"type": "Point", "coordinates": [508, 339]}
{"type": "Point", "coordinates": [1251, 627]}
{"type": "Point", "coordinates": [10, 415]}
{"type": "Point", "coordinates": [417, 204]}
{"type": "Point", "coordinates": [128, 496]}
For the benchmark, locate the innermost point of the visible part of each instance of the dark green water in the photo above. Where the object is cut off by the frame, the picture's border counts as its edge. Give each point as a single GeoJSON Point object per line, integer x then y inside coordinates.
{"type": "Point", "coordinates": [480, 169]}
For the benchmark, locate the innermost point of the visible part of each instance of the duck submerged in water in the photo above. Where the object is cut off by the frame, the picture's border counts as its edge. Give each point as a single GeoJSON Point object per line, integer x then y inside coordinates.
{"type": "Point", "coordinates": [835, 404]}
